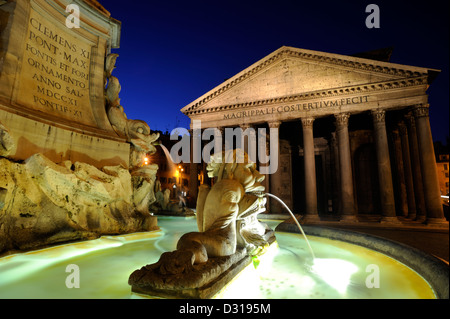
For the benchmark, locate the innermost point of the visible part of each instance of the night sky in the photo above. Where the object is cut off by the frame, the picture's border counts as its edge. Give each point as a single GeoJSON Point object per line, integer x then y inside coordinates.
{"type": "Point", "coordinates": [172, 52]}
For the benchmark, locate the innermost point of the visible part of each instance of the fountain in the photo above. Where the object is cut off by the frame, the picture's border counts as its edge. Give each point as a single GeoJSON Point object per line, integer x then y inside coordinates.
{"type": "Point", "coordinates": [169, 158]}
{"type": "Point", "coordinates": [229, 235]}
{"type": "Point", "coordinates": [163, 205]}
{"type": "Point", "coordinates": [283, 273]}
{"type": "Point", "coordinates": [215, 261]}
{"type": "Point", "coordinates": [76, 173]}
{"type": "Point", "coordinates": [296, 222]}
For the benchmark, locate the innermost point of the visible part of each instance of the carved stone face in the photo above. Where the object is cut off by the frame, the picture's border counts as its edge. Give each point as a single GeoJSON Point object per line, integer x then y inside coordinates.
{"type": "Point", "coordinates": [249, 177]}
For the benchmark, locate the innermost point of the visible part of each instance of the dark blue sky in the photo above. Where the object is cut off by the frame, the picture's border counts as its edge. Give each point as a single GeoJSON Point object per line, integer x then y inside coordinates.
{"type": "Point", "coordinates": [172, 52]}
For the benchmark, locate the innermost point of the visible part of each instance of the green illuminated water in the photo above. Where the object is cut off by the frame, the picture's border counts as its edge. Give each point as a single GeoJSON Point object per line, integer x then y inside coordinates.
{"type": "Point", "coordinates": [286, 270]}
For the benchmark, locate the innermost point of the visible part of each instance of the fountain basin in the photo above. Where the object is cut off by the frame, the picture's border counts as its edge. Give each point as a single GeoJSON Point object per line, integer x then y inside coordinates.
{"type": "Point", "coordinates": [106, 263]}
{"type": "Point", "coordinates": [432, 269]}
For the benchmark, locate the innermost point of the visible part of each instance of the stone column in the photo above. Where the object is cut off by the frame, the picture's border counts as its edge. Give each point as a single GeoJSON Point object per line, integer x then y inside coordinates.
{"type": "Point", "coordinates": [433, 203]}
{"type": "Point", "coordinates": [400, 175]}
{"type": "Point", "coordinates": [415, 168]}
{"type": "Point", "coordinates": [310, 170]}
{"type": "Point", "coordinates": [249, 146]}
{"type": "Point", "coordinates": [275, 178]}
{"type": "Point", "coordinates": [193, 174]}
{"type": "Point", "coordinates": [409, 182]}
{"type": "Point", "coordinates": [264, 144]}
{"type": "Point", "coordinates": [336, 174]}
{"type": "Point", "coordinates": [347, 198]}
{"type": "Point", "coordinates": [384, 167]}
{"type": "Point", "coordinates": [206, 179]}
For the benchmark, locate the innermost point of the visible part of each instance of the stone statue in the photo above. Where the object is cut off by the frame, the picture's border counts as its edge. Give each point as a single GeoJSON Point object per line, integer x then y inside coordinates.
{"type": "Point", "coordinates": [164, 206]}
{"type": "Point", "coordinates": [6, 141]}
{"type": "Point", "coordinates": [226, 218]}
{"type": "Point", "coordinates": [136, 132]}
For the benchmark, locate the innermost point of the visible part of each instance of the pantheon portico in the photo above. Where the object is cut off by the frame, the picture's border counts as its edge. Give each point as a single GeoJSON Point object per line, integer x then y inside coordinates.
{"type": "Point", "coordinates": [354, 133]}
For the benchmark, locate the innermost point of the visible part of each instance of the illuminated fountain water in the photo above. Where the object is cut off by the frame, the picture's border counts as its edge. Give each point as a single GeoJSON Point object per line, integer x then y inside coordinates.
{"type": "Point", "coordinates": [336, 268]}
{"type": "Point", "coordinates": [296, 221]}
{"type": "Point", "coordinates": [106, 263]}
{"type": "Point", "coordinates": [336, 272]}
{"type": "Point", "coordinates": [169, 158]}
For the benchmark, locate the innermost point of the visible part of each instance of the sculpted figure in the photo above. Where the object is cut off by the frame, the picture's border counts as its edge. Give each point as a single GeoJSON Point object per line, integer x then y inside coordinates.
{"type": "Point", "coordinates": [6, 141]}
{"type": "Point", "coordinates": [136, 132]}
{"type": "Point", "coordinates": [235, 197]}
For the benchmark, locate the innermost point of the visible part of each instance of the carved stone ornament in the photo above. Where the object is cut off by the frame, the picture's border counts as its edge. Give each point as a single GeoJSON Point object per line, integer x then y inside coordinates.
{"type": "Point", "coordinates": [409, 78]}
{"type": "Point", "coordinates": [378, 116]}
{"type": "Point", "coordinates": [245, 126]}
{"type": "Point", "coordinates": [421, 110]}
{"type": "Point", "coordinates": [6, 141]}
{"type": "Point", "coordinates": [342, 119]}
{"type": "Point", "coordinates": [136, 132]}
{"type": "Point", "coordinates": [307, 122]}
{"type": "Point", "coordinates": [275, 124]}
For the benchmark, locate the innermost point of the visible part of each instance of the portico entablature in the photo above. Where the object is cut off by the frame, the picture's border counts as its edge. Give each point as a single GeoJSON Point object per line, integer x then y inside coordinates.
{"type": "Point", "coordinates": [317, 84]}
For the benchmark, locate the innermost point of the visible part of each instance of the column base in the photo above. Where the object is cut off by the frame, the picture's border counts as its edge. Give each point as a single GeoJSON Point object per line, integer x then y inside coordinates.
{"type": "Point", "coordinates": [439, 222]}
{"type": "Point", "coordinates": [349, 218]}
{"type": "Point", "coordinates": [421, 219]}
{"type": "Point", "coordinates": [311, 218]}
{"type": "Point", "coordinates": [390, 220]}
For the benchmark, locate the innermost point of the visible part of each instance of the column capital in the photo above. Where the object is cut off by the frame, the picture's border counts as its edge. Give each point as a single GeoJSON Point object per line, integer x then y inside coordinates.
{"type": "Point", "coordinates": [378, 115]}
{"type": "Point", "coordinates": [245, 126]}
{"type": "Point", "coordinates": [274, 124]}
{"type": "Point", "coordinates": [333, 138]}
{"type": "Point", "coordinates": [395, 133]}
{"type": "Point", "coordinates": [221, 129]}
{"type": "Point", "coordinates": [420, 110]}
{"type": "Point", "coordinates": [410, 119]}
{"type": "Point", "coordinates": [195, 133]}
{"type": "Point", "coordinates": [342, 119]}
{"type": "Point", "coordinates": [402, 128]}
{"type": "Point", "coordinates": [307, 122]}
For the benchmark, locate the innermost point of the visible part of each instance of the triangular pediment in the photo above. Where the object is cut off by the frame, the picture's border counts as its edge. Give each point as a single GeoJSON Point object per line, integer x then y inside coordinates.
{"type": "Point", "coordinates": [291, 72]}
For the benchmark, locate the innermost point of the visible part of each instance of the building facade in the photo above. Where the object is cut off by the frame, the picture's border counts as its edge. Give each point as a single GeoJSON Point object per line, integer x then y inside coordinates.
{"type": "Point", "coordinates": [353, 133]}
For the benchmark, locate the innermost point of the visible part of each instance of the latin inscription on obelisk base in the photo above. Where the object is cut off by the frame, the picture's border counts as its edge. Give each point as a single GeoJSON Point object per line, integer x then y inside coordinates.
{"type": "Point", "coordinates": [55, 77]}
{"type": "Point", "coordinates": [52, 82]}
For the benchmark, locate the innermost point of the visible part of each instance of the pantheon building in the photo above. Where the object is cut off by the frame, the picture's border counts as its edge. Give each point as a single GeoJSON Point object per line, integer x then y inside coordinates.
{"type": "Point", "coordinates": [354, 133]}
